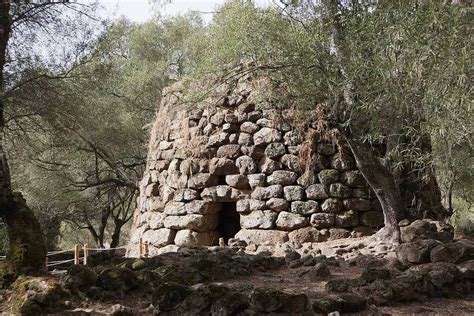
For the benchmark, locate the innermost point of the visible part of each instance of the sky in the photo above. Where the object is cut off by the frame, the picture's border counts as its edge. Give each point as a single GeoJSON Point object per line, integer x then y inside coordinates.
{"type": "Point", "coordinates": [140, 10]}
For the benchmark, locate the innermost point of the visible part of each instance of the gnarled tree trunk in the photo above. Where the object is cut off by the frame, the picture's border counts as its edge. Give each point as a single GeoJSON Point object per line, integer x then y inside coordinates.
{"type": "Point", "coordinates": [27, 250]}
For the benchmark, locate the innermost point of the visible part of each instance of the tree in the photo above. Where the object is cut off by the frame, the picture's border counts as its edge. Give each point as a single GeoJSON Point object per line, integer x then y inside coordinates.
{"type": "Point", "coordinates": [27, 251]}
{"type": "Point", "coordinates": [82, 137]}
{"type": "Point", "coordinates": [381, 75]}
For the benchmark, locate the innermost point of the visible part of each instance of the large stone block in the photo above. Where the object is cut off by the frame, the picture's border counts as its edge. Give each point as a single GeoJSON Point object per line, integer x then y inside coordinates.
{"type": "Point", "coordinates": [175, 208]}
{"type": "Point", "coordinates": [316, 192]}
{"type": "Point", "coordinates": [293, 138]}
{"type": "Point", "coordinates": [275, 150]}
{"type": "Point", "coordinates": [282, 177]}
{"type": "Point", "coordinates": [238, 181]}
{"type": "Point", "coordinates": [199, 223]}
{"type": "Point", "coordinates": [229, 151]}
{"type": "Point", "coordinates": [305, 208]}
{"type": "Point", "coordinates": [193, 166]}
{"type": "Point", "coordinates": [261, 236]}
{"type": "Point", "coordinates": [191, 238]}
{"type": "Point", "coordinates": [245, 139]}
{"type": "Point", "coordinates": [292, 162]}
{"type": "Point", "coordinates": [202, 180]}
{"type": "Point", "coordinates": [221, 193]}
{"type": "Point", "coordinates": [266, 136]}
{"type": "Point", "coordinates": [159, 237]}
{"type": "Point", "coordinates": [293, 193]}
{"type": "Point", "coordinates": [223, 166]}
{"type": "Point", "coordinates": [268, 166]}
{"type": "Point", "coordinates": [250, 205]}
{"type": "Point", "coordinates": [306, 234]}
{"type": "Point", "coordinates": [258, 219]}
{"type": "Point", "coordinates": [255, 152]}
{"type": "Point", "coordinates": [322, 220]}
{"type": "Point", "coordinates": [340, 190]}
{"type": "Point", "coordinates": [332, 205]}
{"type": "Point", "coordinates": [201, 207]}
{"type": "Point", "coordinates": [265, 193]}
{"type": "Point", "coordinates": [342, 162]}
{"type": "Point", "coordinates": [257, 180]}
{"type": "Point", "coordinates": [328, 176]}
{"type": "Point", "coordinates": [277, 205]}
{"type": "Point", "coordinates": [185, 195]}
{"type": "Point", "coordinates": [246, 165]}
{"type": "Point", "coordinates": [347, 219]}
{"type": "Point", "coordinates": [249, 127]}
{"type": "Point", "coordinates": [291, 221]}
{"type": "Point", "coordinates": [218, 139]}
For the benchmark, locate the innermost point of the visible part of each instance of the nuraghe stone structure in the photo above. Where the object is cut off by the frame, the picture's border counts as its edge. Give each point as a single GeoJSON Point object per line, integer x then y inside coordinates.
{"type": "Point", "coordinates": [236, 168]}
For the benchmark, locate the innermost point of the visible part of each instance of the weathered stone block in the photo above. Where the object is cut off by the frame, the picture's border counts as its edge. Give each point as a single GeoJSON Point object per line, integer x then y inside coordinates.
{"type": "Point", "coordinates": [316, 192]}
{"type": "Point", "coordinates": [332, 205]}
{"type": "Point", "coordinates": [199, 223]}
{"type": "Point", "coordinates": [217, 119]}
{"type": "Point", "coordinates": [293, 138]}
{"type": "Point", "coordinates": [223, 166]}
{"type": "Point", "coordinates": [185, 195]}
{"type": "Point", "coordinates": [159, 237]}
{"type": "Point", "coordinates": [339, 190]}
{"type": "Point", "coordinates": [249, 127]}
{"type": "Point", "coordinates": [342, 162]}
{"type": "Point", "coordinates": [328, 176]}
{"type": "Point", "coordinates": [238, 181]}
{"type": "Point", "coordinates": [282, 177]}
{"type": "Point", "coordinates": [175, 208]}
{"type": "Point", "coordinates": [245, 139]}
{"type": "Point", "coordinates": [152, 189]}
{"type": "Point", "coordinates": [257, 180]}
{"type": "Point", "coordinates": [246, 107]}
{"type": "Point", "coordinates": [268, 166]}
{"type": "Point", "coordinates": [293, 193]}
{"type": "Point", "coordinates": [230, 128]}
{"type": "Point", "coordinates": [201, 207]}
{"type": "Point", "coordinates": [277, 205]}
{"type": "Point", "coordinates": [290, 221]}
{"type": "Point", "coordinates": [231, 118]}
{"type": "Point", "coordinates": [305, 208]}
{"type": "Point", "coordinates": [156, 220]}
{"type": "Point", "coordinates": [357, 204]}
{"type": "Point", "coordinates": [292, 162]}
{"type": "Point", "coordinates": [255, 152]}
{"type": "Point", "coordinates": [218, 139]}
{"type": "Point", "coordinates": [348, 219]}
{"type": "Point", "coordinates": [202, 180]}
{"type": "Point", "coordinates": [338, 233]}
{"type": "Point", "coordinates": [246, 165]}
{"type": "Point", "coordinates": [229, 151]}
{"type": "Point", "coordinates": [221, 193]}
{"type": "Point", "coordinates": [275, 150]}
{"type": "Point", "coordinates": [265, 193]}
{"type": "Point", "coordinates": [322, 220]}
{"type": "Point", "coordinates": [306, 234]}
{"type": "Point", "coordinates": [191, 238]}
{"type": "Point", "coordinates": [249, 205]}
{"type": "Point", "coordinates": [266, 136]}
{"type": "Point", "coordinates": [258, 219]}
{"type": "Point", "coordinates": [261, 236]}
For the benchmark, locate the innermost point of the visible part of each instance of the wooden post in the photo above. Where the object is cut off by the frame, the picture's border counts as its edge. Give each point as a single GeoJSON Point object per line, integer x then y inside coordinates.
{"type": "Point", "coordinates": [86, 253]}
{"type": "Point", "coordinates": [77, 254]}
{"type": "Point", "coordinates": [146, 249]}
{"type": "Point", "coordinates": [140, 248]}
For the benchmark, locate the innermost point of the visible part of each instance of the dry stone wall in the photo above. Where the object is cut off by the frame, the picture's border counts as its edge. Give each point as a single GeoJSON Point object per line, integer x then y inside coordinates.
{"type": "Point", "coordinates": [242, 170]}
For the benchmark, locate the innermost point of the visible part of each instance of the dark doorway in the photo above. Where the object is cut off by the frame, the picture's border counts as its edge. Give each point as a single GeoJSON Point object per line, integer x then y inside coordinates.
{"type": "Point", "coordinates": [229, 221]}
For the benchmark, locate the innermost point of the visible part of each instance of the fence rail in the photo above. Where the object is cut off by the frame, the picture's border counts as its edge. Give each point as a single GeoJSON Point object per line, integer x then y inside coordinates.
{"type": "Point", "coordinates": [142, 250]}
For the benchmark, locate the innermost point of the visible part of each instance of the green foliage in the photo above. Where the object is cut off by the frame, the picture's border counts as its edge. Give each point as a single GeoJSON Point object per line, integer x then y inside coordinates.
{"type": "Point", "coordinates": [404, 64]}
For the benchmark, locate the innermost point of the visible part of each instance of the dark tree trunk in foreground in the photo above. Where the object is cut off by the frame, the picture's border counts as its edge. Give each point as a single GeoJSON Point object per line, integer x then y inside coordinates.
{"type": "Point", "coordinates": [27, 250]}
{"type": "Point", "coordinates": [383, 183]}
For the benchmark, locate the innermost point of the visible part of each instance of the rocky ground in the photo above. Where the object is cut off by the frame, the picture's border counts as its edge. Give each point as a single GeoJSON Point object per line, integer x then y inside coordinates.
{"type": "Point", "coordinates": [424, 275]}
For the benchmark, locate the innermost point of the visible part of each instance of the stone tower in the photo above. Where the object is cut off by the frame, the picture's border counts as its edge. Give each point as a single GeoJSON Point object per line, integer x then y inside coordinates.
{"type": "Point", "coordinates": [234, 167]}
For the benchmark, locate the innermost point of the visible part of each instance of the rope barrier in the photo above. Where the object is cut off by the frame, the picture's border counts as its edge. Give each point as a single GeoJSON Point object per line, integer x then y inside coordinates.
{"type": "Point", "coordinates": [52, 253]}
{"type": "Point", "coordinates": [58, 263]}
{"type": "Point", "coordinates": [107, 249]}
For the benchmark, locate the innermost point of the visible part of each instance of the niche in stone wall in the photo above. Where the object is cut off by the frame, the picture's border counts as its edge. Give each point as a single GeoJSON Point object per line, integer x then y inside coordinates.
{"type": "Point", "coordinates": [229, 220]}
